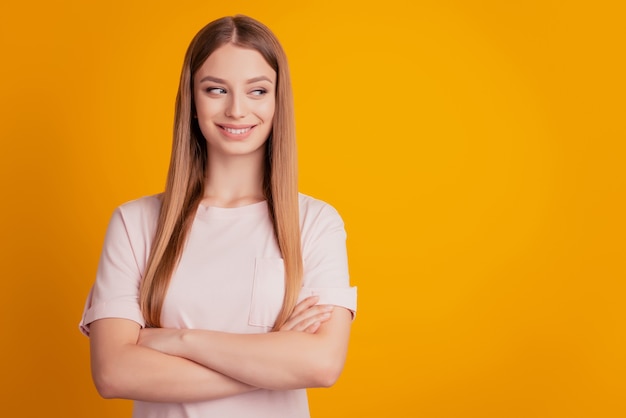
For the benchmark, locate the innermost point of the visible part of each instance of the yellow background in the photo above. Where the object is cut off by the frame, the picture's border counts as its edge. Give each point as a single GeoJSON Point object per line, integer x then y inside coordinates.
{"type": "Point", "coordinates": [474, 148]}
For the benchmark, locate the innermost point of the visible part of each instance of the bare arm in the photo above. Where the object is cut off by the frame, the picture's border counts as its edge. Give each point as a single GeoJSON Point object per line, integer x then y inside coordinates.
{"type": "Point", "coordinates": [123, 369]}
{"type": "Point", "coordinates": [277, 360]}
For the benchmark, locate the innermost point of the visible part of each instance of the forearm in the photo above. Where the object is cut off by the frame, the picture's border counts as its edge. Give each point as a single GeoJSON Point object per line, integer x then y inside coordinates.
{"type": "Point", "coordinates": [143, 374]}
{"type": "Point", "coordinates": [134, 372]}
{"type": "Point", "coordinates": [277, 360]}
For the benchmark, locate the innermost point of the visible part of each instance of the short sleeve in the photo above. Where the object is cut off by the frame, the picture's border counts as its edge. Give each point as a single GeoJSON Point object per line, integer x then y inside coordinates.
{"type": "Point", "coordinates": [115, 293]}
{"type": "Point", "coordinates": [325, 259]}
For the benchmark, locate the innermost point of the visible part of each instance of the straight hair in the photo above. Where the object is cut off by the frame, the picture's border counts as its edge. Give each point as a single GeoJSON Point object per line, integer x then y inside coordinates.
{"type": "Point", "coordinates": [188, 164]}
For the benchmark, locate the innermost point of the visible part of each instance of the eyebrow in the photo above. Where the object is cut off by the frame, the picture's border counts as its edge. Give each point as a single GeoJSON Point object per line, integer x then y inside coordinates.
{"type": "Point", "coordinates": [222, 81]}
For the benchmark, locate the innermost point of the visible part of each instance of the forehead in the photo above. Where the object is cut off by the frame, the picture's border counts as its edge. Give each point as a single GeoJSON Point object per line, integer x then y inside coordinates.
{"type": "Point", "coordinates": [233, 63]}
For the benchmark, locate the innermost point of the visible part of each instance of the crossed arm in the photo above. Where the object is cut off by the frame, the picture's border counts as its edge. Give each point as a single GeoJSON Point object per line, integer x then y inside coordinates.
{"type": "Point", "coordinates": [173, 365]}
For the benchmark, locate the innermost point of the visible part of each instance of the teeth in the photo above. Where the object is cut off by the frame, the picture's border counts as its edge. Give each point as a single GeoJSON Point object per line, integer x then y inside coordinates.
{"type": "Point", "coordinates": [236, 131]}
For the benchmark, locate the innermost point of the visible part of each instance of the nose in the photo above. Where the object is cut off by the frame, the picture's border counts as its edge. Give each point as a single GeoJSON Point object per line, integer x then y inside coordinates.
{"type": "Point", "coordinates": [236, 107]}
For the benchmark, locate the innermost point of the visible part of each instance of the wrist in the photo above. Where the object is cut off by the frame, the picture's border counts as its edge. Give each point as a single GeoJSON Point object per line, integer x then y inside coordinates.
{"type": "Point", "coordinates": [181, 342]}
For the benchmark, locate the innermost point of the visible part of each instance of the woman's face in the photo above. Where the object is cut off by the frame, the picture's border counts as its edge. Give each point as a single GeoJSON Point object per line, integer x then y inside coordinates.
{"type": "Point", "coordinates": [234, 93]}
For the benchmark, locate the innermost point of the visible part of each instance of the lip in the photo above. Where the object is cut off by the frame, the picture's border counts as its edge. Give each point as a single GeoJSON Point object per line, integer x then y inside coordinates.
{"type": "Point", "coordinates": [227, 130]}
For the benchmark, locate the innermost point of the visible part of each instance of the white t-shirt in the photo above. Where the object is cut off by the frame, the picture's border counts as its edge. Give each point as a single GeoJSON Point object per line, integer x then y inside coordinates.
{"type": "Point", "coordinates": [230, 278]}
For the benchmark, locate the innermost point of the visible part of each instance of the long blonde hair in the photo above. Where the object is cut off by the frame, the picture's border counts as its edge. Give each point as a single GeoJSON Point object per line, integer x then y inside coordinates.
{"type": "Point", "coordinates": [185, 180]}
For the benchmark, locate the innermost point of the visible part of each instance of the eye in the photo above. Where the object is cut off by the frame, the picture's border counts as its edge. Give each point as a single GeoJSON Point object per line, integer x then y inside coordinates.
{"type": "Point", "coordinates": [258, 92]}
{"type": "Point", "coordinates": [215, 90]}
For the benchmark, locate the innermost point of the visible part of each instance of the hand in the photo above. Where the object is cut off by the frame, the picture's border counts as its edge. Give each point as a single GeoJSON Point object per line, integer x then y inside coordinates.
{"type": "Point", "coordinates": [307, 316]}
{"type": "Point", "coordinates": [159, 339]}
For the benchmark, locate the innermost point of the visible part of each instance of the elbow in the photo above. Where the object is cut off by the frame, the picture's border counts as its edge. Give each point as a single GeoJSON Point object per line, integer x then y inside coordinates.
{"type": "Point", "coordinates": [327, 373]}
{"type": "Point", "coordinates": [327, 362]}
{"type": "Point", "coordinates": [106, 384]}
{"type": "Point", "coordinates": [106, 392]}
{"type": "Point", "coordinates": [105, 388]}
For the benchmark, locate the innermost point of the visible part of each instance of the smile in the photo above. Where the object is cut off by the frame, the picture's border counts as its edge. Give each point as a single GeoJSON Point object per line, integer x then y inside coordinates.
{"type": "Point", "coordinates": [236, 131]}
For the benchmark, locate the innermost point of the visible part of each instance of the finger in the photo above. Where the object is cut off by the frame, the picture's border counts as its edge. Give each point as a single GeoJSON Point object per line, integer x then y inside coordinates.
{"type": "Point", "coordinates": [312, 329]}
{"type": "Point", "coordinates": [301, 307]}
{"type": "Point", "coordinates": [305, 304]}
{"type": "Point", "coordinates": [304, 324]}
{"type": "Point", "coordinates": [304, 319]}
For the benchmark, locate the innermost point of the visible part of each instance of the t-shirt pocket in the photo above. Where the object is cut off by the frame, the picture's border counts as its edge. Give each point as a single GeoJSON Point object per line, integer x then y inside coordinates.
{"type": "Point", "coordinates": [268, 290]}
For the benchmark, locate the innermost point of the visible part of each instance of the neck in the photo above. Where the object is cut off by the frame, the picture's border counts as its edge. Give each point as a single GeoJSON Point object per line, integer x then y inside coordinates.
{"type": "Point", "coordinates": [234, 181]}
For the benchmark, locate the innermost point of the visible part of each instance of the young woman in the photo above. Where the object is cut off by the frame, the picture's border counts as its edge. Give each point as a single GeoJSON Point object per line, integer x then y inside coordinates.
{"type": "Point", "coordinates": [228, 294]}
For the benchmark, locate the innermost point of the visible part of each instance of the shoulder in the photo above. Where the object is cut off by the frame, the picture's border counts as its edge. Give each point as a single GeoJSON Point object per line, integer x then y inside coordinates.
{"type": "Point", "coordinates": [311, 207]}
{"type": "Point", "coordinates": [139, 215]}
{"type": "Point", "coordinates": [144, 207]}
{"type": "Point", "coordinates": [317, 216]}
{"type": "Point", "coordinates": [146, 204]}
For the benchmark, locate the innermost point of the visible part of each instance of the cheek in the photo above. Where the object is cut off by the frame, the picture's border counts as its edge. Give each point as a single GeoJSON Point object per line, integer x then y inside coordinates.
{"type": "Point", "coordinates": [206, 107]}
{"type": "Point", "coordinates": [267, 110]}
{"type": "Point", "coordinates": [203, 118]}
